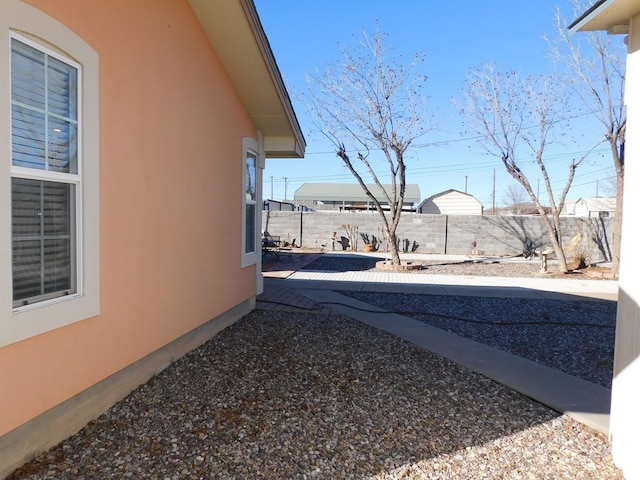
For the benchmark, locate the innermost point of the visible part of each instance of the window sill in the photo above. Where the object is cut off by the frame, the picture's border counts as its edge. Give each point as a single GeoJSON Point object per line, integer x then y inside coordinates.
{"type": "Point", "coordinates": [32, 320]}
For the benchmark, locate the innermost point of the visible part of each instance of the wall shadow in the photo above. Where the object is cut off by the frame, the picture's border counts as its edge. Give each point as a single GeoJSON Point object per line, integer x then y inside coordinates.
{"type": "Point", "coordinates": [514, 228]}
{"type": "Point", "coordinates": [344, 263]}
{"type": "Point", "coordinates": [597, 231]}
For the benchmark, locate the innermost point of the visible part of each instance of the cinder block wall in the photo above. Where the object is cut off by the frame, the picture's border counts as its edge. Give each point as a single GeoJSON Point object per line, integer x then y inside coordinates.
{"type": "Point", "coordinates": [451, 234]}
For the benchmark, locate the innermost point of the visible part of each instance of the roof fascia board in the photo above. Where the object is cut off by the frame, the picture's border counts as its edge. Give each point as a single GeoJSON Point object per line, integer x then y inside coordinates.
{"type": "Point", "coordinates": [282, 147]}
{"type": "Point", "coordinates": [589, 15]}
{"type": "Point", "coordinates": [611, 16]}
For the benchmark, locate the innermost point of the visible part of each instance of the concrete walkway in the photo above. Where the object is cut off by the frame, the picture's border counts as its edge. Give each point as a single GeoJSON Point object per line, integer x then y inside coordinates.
{"type": "Point", "coordinates": [586, 402]}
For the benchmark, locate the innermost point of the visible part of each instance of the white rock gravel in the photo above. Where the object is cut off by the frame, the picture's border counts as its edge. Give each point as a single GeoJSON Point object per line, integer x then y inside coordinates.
{"type": "Point", "coordinates": [282, 395]}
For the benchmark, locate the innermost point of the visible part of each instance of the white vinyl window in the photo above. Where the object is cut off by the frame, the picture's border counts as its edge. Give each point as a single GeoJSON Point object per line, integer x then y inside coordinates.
{"type": "Point", "coordinates": [250, 199]}
{"type": "Point", "coordinates": [49, 162]}
{"type": "Point", "coordinates": [45, 174]}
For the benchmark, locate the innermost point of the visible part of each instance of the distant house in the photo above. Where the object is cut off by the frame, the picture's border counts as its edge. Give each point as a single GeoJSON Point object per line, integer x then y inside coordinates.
{"type": "Point", "coordinates": [589, 207]}
{"type": "Point", "coordinates": [527, 208]}
{"type": "Point", "coordinates": [451, 202]}
{"type": "Point", "coordinates": [349, 196]}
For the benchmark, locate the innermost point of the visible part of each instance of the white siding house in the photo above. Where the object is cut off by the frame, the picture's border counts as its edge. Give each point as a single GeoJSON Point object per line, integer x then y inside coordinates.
{"type": "Point", "coordinates": [590, 207]}
{"type": "Point", "coordinates": [451, 202]}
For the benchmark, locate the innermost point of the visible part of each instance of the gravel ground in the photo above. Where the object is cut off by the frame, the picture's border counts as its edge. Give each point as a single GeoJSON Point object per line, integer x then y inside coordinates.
{"type": "Point", "coordinates": [576, 337]}
{"type": "Point", "coordinates": [283, 395]}
{"type": "Point", "coordinates": [472, 266]}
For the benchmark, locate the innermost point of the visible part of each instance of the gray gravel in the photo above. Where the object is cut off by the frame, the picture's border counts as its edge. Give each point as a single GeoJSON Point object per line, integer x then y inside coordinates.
{"type": "Point", "coordinates": [302, 395]}
{"type": "Point", "coordinates": [574, 336]}
{"type": "Point", "coordinates": [476, 266]}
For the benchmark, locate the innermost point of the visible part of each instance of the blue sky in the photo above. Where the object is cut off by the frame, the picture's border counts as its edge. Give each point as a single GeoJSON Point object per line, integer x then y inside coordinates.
{"type": "Point", "coordinates": [454, 36]}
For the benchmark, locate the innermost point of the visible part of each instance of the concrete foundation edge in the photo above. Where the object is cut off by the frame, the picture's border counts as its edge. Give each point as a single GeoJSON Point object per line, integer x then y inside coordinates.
{"type": "Point", "coordinates": [60, 422]}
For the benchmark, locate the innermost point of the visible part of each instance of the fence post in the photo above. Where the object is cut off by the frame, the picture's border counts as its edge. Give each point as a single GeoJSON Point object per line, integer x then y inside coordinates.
{"type": "Point", "coordinates": [446, 232]}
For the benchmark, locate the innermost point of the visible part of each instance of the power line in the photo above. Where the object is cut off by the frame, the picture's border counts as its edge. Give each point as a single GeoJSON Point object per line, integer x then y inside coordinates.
{"type": "Point", "coordinates": [416, 172]}
{"type": "Point", "coordinates": [450, 141]}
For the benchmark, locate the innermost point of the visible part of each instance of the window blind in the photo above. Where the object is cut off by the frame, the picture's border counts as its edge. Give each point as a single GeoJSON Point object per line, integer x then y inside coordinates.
{"type": "Point", "coordinates": [44, 132]}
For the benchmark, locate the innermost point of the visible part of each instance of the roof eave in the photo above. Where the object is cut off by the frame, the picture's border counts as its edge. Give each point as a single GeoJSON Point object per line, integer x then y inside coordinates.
{"type": "Point", "coordinates": [607, 15]}
{"type": "Point", "coordinates": [236, 34]}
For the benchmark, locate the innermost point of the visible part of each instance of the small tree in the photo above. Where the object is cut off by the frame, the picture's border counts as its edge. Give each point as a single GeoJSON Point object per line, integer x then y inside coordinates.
{"type": "Point", "coordinates": [370, 102]}
{"type": "Point", "coordinates": [595, 63]}
{"type": "Point", "coordinates": [609, 186]}
{"type": "Point", "coordinates": [515, 197]}
{"type": "Point", "coordinates": [515, 119]}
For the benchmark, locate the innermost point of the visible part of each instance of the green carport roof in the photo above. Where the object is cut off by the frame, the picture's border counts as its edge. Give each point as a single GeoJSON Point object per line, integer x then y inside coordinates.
{"type": "Point", "coordinates": [350, 192]}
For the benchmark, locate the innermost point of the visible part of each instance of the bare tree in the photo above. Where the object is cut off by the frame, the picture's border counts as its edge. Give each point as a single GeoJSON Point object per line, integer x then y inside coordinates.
{"type": "Point", "coordinates": [609, 186]}
{"type": "Point", "coordinates": [515, 119]}
{"type": "Point", "coordinates": [371, 106]}
{"type": "Point", "coordinates": [515, 197]}
{"type": "Point", "coordinates": [595, 63]}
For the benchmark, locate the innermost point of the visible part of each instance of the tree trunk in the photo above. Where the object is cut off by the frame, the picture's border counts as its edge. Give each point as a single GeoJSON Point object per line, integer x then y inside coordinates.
{"type": "Point", "coordinates": [395, 255]}
{"type": "Point", "coordinates": [555, 233]}
{"type": "Point", "coordinates": [559, 250]}
{"type": "Point", "coordinates": [395, 207]}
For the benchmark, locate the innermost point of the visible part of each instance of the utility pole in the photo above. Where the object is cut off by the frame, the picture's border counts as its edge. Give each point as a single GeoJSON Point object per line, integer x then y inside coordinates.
{"type": "Point", "coordinates": [597, 182]}
{"type": "Point", "coordinates": [271, 197]}
{"type": "Point", "coordinates": [465, 184]}
{"type": "Point", "coordinates": [285, 188]}
{"type": "Point", "coordinates": [494, 192]}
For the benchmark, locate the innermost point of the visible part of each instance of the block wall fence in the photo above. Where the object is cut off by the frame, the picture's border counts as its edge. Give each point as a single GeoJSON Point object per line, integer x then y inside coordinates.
{"type": "Point", "coordinates": [441, 234]}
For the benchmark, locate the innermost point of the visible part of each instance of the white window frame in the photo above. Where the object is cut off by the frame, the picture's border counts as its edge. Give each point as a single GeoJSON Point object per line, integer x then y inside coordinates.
{"type": "Point", "coordinates": [250, 145]}
{"type": "Point", "coordinates": [74, 179]}
{"type": "Point", "coordinates": [33, 27]}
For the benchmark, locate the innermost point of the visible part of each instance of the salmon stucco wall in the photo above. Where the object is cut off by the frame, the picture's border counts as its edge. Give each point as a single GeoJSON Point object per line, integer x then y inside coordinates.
{"type": "Point", "coordinates": [170, 217]}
